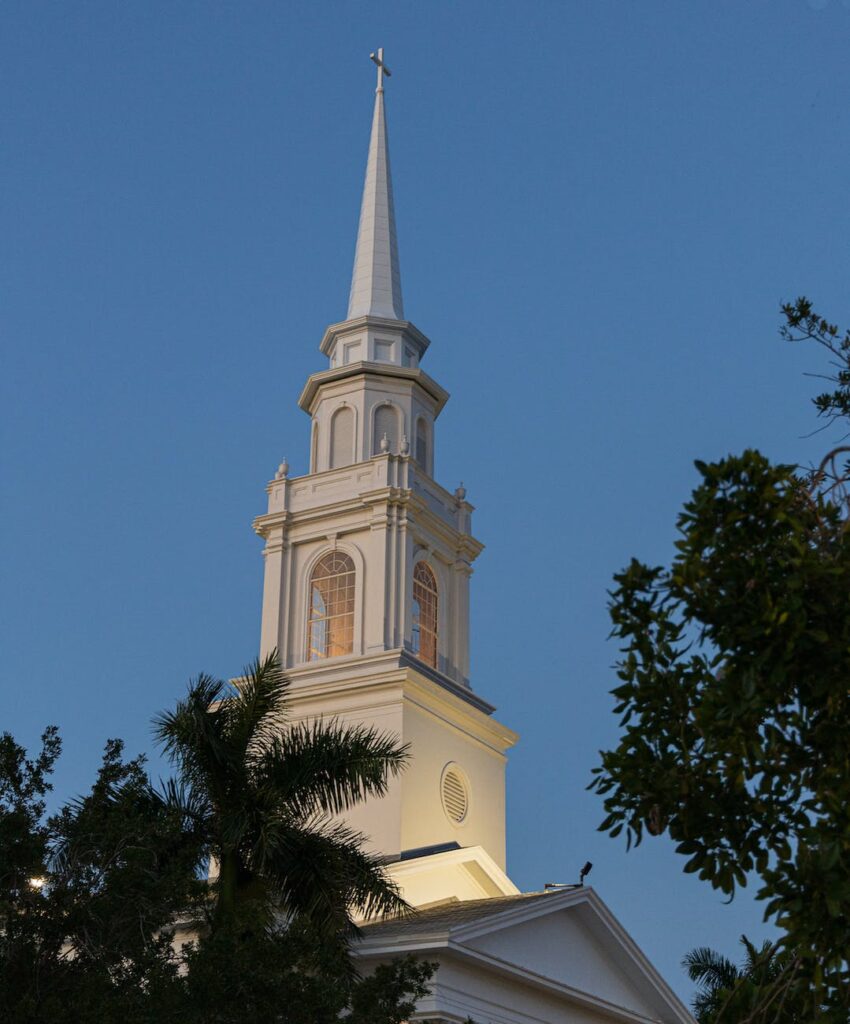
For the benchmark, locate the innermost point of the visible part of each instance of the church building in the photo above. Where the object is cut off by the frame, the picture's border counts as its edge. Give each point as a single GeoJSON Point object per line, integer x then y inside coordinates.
{"type": "Point", "coordinates": [366, 598]}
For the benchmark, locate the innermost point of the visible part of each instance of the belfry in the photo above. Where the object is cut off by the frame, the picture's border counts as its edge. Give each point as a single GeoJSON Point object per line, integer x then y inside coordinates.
{"type": "Point", "coordinates": [366, 598]}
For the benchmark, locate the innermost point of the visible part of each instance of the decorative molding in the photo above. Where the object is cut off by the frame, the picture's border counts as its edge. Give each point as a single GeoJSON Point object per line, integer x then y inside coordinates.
{"type": "Point", "coordinates": [364, 368]}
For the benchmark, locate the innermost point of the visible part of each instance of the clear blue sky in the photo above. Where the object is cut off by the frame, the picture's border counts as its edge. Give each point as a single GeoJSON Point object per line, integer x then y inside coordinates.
{"type": "Point", "coordinates": [601, 206]}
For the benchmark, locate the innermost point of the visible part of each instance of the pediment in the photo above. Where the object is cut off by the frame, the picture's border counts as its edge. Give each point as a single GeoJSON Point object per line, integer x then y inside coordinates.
{"type": "Point", "coordinates": [566, 945]}
{"type": "Point", "coordinates": [575, 943]}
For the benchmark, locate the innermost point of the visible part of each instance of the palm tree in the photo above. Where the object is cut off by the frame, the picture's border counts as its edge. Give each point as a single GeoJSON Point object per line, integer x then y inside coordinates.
{"type": "Point", "coordinates": [751, 992]}
{"type": "Point", "coordinates": [263, 794]}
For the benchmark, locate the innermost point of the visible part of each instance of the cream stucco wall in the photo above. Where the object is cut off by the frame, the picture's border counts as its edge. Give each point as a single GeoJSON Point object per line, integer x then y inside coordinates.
{"type": "Point", "coordinates": [436, 742]}
{"type": "Point", "coordinates": [440, 728]}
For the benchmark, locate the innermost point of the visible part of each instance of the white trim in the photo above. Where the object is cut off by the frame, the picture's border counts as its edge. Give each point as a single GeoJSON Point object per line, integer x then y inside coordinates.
{"type": "Point", "coordinates": [540, 981]}
{"type": "Point", "coordinates": [400, 869]}
{"type": "Point", "coordinates": [631, 959]}
{"type": "Point", "coordinates": [644, 971]}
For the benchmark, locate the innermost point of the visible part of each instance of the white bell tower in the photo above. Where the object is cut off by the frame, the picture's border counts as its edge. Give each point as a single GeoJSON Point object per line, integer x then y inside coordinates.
{"type": "Point", "coordinates": [367, 568]}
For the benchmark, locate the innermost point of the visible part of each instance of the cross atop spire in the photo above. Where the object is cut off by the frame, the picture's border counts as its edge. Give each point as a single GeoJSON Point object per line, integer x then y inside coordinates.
{"type": "Point", "coordinates": [376, 281]}
{"type": "Point", "coordinates": [378, 58]}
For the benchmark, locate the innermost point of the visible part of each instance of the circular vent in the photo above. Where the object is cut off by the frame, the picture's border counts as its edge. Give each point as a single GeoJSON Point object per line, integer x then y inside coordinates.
{"type": "Point", "coordinates": [455, 794]}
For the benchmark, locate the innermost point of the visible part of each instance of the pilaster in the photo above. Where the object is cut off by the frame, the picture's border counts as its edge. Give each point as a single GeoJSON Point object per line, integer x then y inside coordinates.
{"type": "Point", "coordinates": [378, 589]}
{"type": "Point", "coordinates": [461, 572]}
{"type": "Point", "coordinates": [273, 592]}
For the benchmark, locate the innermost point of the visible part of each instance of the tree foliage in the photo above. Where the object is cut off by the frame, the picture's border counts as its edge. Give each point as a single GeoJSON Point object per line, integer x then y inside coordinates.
{"type": "Point", "coordinates": [24, 849]}
{"type": "Point", "coordinates": [734, 697]}
{"type": "Point", "coordinates": [105, 911]}
{"type": "Point", "coordinates": [726, 991]}
{"type": "Point", "coordinates": [294, 975]}
{"type": "Point", "coordinates": [91, 939]}
{"type": "Point", "coordinates": [124, 859]}
{"type": "Point", "coordinates": [261, 792]}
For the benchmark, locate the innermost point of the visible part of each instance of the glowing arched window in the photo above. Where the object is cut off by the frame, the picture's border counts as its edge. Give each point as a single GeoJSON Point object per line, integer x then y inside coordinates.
{"type": "Point", "coordinates": [342, 437]}
{"type": "Point", "coordinates": [386, 423]}
{"type": "Point", "coordinates": [425, 613]}
{"type": "Point", "coordinates": [330, 627]}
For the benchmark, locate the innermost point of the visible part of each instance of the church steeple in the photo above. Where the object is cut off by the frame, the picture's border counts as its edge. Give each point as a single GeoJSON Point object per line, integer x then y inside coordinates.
{"type": "Point", "coordinates": [376, 280]}
{"type": "Point", "coordinates": [367, 578]}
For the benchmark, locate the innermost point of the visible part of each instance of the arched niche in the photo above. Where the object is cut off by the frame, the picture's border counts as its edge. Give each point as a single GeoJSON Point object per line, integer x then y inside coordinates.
{"type": "Point", "coordinates": [386, 421]}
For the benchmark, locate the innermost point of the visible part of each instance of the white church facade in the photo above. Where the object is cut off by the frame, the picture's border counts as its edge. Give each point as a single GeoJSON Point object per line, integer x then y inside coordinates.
{"type": "Point", "coordinates": [366, 598]}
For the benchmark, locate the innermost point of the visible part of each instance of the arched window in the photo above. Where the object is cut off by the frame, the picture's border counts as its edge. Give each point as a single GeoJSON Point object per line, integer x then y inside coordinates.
{"type": "Point", "coordinates": [422, 443]}
{"type": "Point", "coordinates": [342, 437]}
{"type": "Point", "coordinates": [386, 422]}
{"type": "Point", "coordinates": [425, 613]}
{"type": "Point", "coordinates": [330, 626]}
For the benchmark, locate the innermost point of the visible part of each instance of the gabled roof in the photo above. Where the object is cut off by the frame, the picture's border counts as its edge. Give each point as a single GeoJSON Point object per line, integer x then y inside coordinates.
{"type": "Point", "coordinates": [450, 916]}
{"type": "Point", "coordinates": [563, 941]}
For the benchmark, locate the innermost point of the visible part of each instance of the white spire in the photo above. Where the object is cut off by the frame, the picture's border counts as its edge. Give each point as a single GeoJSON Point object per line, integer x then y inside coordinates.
{"type": "Point", "coordinates": [376, 281]}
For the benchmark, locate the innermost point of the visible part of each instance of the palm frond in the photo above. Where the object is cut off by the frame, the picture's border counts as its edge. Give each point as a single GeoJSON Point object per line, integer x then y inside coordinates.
{"type": "Point", "coordinates": [759, 963]}
{"type": "Point", "coordinates": [710, 969]}
{"type": "Point", "coordinates": [322, 873]}
{"type": "Point", "coordinates": [191, 805]}
{"type": "Point", "coordinates": [256, 711]}
{"type": "Point", "coordinates": [371, 891]}
{"type": "Point", "coordinates": [238, 825]}
{"type": "Point", "coordinates": [193, 734]}
{"type": "Point", "coordinates": [325, 767]}
{"type": "Point", "coordinates": [260, 793]}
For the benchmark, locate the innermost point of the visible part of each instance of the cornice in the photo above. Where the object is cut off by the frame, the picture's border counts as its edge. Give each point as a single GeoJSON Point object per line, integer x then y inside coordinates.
{"type": "Point", "coordinates": [346, 506]}
{"type": "Point", "coordinates": [503, 968]}
{"type": "Point", "coordinates": [388, 670]}
{"type": "Point", "coordinates": [440, 941]}
{"type": "Point", "coordinates": [424, 679]}
{"type": "Point", "coordinates": [404, 870]}
{"type": "Point", "coordinates": [365, 368]}
{"type": "Point", "coordinates": [368, 501]}
{"type": "Point", "coordinates": [463, 543]}
{"type": "Point", "coordinates": [381, 323]}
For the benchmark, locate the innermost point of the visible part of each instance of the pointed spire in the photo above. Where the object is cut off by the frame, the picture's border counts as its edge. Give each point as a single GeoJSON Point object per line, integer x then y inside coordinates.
{"type": "Point", "coordinates": [376, 281]}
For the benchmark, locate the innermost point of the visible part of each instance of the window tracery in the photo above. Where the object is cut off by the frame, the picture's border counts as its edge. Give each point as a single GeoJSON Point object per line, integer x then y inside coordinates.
{"type": "Point", "coordinates": [330, 624]}
{"type": "Point", "coordinates": [425, 599]}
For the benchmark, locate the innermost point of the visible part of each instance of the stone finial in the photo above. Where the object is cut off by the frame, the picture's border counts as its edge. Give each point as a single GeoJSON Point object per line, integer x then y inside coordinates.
{"type": "Point", "coordinates": [385, 444]}
{"type": "Point", "coordinates": [282, 470]}
{"type": "Point", "coordinates": [460, 493]}
{"type": "Point", "coordinates": [404, 448]}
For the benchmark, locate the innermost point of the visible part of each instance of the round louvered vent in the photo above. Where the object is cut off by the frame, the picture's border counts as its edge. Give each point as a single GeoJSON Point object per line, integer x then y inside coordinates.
{"type": "Point", "coordinates": [455, 794]}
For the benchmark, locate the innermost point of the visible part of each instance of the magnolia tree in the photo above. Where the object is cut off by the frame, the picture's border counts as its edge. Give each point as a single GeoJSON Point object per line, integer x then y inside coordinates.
{"type": "Point", "coordinates": [735, 694]}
